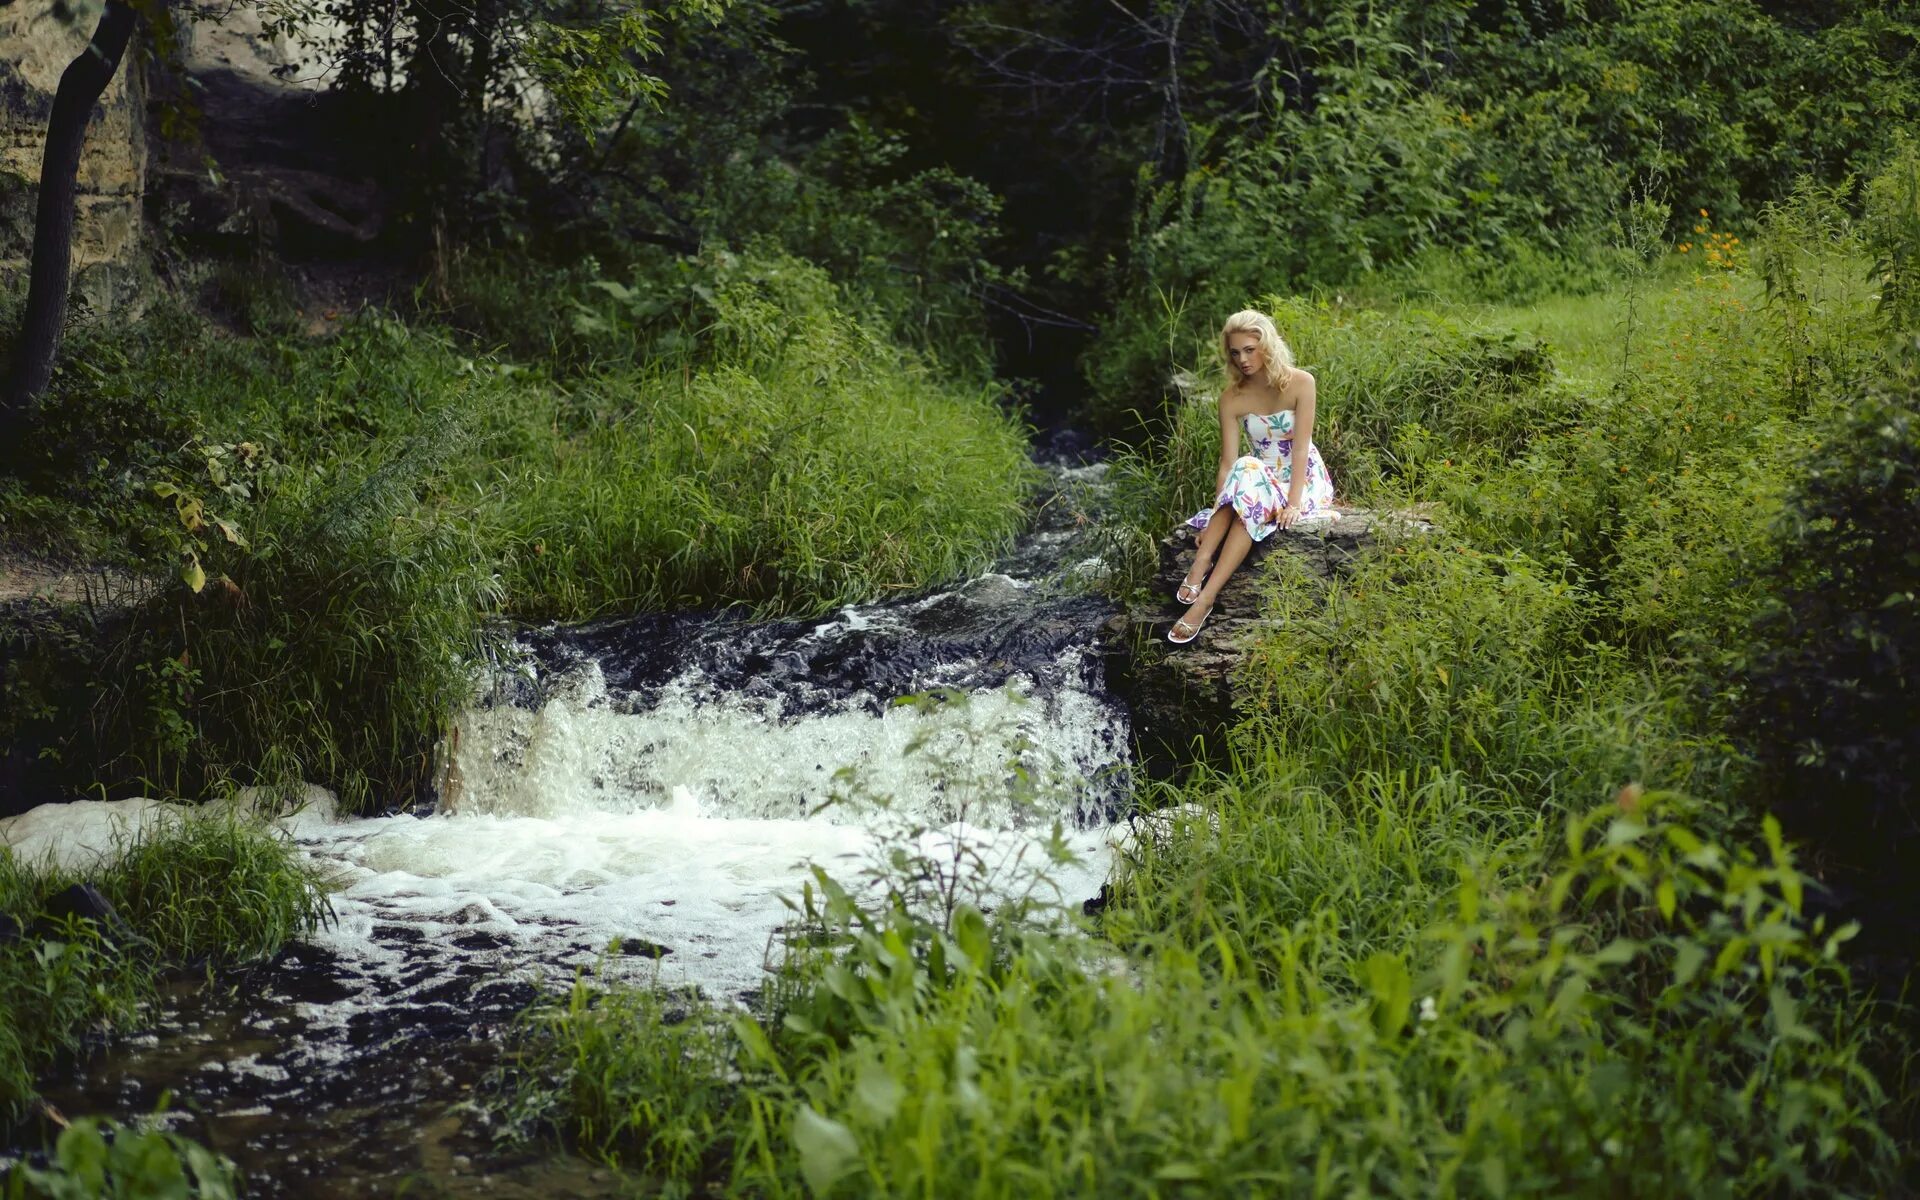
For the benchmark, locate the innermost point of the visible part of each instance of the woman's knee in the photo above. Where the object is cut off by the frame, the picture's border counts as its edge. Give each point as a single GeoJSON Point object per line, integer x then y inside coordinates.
{"type": "Point", "coordinates": [1245, 461]}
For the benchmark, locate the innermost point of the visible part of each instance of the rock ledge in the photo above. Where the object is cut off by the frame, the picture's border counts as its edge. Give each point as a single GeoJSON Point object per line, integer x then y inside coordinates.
{"type": "Point", "coordinates": [1179, 693]}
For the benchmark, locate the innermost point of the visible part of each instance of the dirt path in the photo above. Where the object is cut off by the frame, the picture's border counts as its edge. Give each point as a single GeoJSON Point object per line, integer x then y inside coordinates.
{"type": "Point", "coordinates": [23, 578]}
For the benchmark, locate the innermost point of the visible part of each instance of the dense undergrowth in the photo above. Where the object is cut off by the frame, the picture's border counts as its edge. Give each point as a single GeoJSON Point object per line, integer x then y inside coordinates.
{"type": "Point", "coordinates": [324, 528]}
{"type": "Point", "coordinates": [1482, 899]}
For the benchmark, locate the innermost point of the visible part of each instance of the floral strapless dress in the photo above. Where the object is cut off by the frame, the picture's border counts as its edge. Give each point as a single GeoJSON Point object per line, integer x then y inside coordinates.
{"type": "Point", "coordinates": [1257, 486]}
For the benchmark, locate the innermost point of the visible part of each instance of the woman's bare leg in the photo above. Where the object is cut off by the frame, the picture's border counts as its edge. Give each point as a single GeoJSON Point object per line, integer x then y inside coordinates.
{"type": "Point", "coordinates": [1232, 553]}
{"type": "Point", "coordinates": [1209, 541]}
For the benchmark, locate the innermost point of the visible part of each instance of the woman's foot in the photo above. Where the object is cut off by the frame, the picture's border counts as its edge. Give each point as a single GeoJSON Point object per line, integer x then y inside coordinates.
{"type": "Point", "coordinates": [1188, 627]}
{"type": "Point", "coordinates": [1189, 589]}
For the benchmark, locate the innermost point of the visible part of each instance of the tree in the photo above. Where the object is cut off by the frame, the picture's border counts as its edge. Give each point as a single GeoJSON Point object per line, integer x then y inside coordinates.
{"type": "Point", "coordinates": [459, 79]}
{"type": "Point", "coordinates": [80, 86]}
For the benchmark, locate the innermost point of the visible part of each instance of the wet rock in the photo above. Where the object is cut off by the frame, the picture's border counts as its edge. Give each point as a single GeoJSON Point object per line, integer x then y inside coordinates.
{"type": "Point", "coordinates": [84, 902]}
{"type": "Point", "coordinates": [1182, 693]}
{"type": "Point", "coordinates": [635, 947]}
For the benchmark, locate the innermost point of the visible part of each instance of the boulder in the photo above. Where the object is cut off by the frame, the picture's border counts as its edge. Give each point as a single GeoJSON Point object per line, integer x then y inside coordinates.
{"type": "Point", "coordinates": [1182, 693]}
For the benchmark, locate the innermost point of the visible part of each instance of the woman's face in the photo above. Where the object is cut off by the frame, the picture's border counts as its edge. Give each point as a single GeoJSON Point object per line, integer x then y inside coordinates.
{"type": "Point", "coordinates": [1243, 351]}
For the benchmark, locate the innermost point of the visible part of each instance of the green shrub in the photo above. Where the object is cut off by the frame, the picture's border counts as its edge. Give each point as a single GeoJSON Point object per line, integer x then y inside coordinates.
{"type": "Point", "coordinates": [1644, 1008]}
{"type": "Point", "coordinates": [101, 1159]}
{"type": "Point", "coordinates": [812, 464]}
{"type": "Point", "coordinates": [1830, 707]}
{"type": "Point", "coordinates": [333, 646]}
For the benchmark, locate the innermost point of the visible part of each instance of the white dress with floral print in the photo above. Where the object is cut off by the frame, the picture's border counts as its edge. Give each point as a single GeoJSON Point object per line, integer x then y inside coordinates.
{"type": "Point", "coordinates": [1256, 487]}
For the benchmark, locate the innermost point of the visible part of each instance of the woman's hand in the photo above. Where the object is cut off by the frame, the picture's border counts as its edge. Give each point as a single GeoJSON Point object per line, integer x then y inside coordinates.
{"type": "Point", "coordinates": [1288, 515]}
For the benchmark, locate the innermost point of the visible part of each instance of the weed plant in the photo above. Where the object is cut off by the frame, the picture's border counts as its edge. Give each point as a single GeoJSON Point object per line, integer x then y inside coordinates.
{"type": "Point", "coordinates": [812, 463]}
{"type": "Point", "coordinates": [1316, 999]}
{"type": "Point", "coordinates": [102, 1159]}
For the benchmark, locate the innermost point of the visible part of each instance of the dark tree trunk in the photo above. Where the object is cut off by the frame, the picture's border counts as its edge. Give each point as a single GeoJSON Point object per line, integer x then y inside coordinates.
{"type": "Point", "coordinates": [80, 86]}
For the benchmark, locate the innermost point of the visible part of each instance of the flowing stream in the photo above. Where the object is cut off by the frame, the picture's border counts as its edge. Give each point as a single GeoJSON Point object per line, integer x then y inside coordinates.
{"type": "Point", "coordinates": [659, 783]}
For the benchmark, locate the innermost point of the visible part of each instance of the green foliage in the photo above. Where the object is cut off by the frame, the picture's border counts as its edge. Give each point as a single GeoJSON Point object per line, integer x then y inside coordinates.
{"type": "Point", "coordinates": [1830, 709]}
{"type": "Point", "coordinates": [639, 1081]}
{"type": "Point", "coordinates": [211, 888]}
{"type": "Point", "coordinates": [1652, 1008]}
{"type": "Point", "coordinates": [1892, 233]}
{"type": "Point", "coordinates": [1484, 150]}
{"type": "Point", "coordinates": [56, 993]}
{"type": "Point", "coordinates": [102, 1159]}
{"type": "Point", "coordinates": [813, 463]}
{"type": "Point", "coordinates": [340, 636]}
{"type": "Point", "coordinates": [216, 888]}
{"type": "Point", "coordinates": [320, 544]}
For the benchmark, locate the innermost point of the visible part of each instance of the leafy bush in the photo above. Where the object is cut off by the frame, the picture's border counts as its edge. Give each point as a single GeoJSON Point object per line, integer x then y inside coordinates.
{"type": "Point", "coordinates": [1831, 711]}
{"type": "Point", "coordinates": [333, 645]}
{"type": "Point", "coordinates": [101, 1159]}
{"type": "Point", "coordinates": [811, 464]}
{"type": "Point", "coordinates": [1651, 1008]}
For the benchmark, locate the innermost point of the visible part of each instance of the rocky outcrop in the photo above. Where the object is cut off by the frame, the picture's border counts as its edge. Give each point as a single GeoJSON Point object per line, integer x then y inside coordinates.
{"type": "Point", "coordinates": [38, 39]}
{"type": "Point", "coordinates": [1179, 693]}
{"type": "Point", "coordinates": [274, 164]}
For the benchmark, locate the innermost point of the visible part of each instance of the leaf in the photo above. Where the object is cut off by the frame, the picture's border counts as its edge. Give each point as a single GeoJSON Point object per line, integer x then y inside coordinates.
{"type": "Point", "coordinates": [971, 934]}
{"type": "Point", "coordinates": [233, 535]}
{"type": "Point", "coordinates": [1617, 952]}
{"type": "Point", "coordinates": [1663, 895]}
{"type": "Point", "coordinates": [877, 1094]}
{"type": "Point", "coordinates": [1392, 988]}
{"type": "Point", "coordinates": [193, 574]}
{"type": "Point", "coordinates": [828, 1150]}
{"type": "Point", "coordinates": [1688, 958]}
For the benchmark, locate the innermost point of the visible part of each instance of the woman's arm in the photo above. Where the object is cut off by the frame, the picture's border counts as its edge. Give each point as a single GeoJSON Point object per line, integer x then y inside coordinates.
{"type": "Point", "coordinates": [1302, 442]}
{"type": "Point", "coordinates": [1229, 443]}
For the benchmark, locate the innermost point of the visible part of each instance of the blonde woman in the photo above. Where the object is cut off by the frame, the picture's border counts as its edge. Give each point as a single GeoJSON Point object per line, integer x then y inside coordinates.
{"type": "Point", "coordinates": [1283, 479]}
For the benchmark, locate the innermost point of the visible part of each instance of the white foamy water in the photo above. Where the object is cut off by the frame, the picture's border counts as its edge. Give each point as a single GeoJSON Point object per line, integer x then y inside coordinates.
{"type": "Point", "coordinates": [583, 750]}
{"type": "Point", "coordinates": [682, 820]}
{"type": "Point", "coordinates": [558, 889]}
{"type": "Point", "coordinates": [678, 825]}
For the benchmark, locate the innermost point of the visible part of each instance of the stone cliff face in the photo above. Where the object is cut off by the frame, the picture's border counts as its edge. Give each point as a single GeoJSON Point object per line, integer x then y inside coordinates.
{"type": "Point", "coordinates": [36, 44]}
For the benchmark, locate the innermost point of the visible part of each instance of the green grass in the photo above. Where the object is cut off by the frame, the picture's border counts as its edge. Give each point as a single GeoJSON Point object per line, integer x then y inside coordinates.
{"type": "Point", "coordinates": [1479, 904]}
{"type": "Point", "coordinates": [206, 887]}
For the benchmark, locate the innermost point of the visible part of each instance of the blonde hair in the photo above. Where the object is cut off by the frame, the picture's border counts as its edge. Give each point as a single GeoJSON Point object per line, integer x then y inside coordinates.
{"type": "Point", "coordinates": [1273, 348]}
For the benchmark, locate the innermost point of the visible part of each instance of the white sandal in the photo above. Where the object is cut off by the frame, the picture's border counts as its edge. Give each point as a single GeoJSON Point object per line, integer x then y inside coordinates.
{"type": "Point", "coordinates": [1182, 624]}
{"type": "Point", "coordinates": [1188, 591]}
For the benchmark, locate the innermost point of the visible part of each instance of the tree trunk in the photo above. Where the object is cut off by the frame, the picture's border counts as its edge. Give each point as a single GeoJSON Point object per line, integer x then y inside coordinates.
{"type": "Point", "coordinates": [80, 86]}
